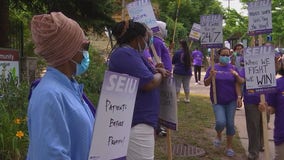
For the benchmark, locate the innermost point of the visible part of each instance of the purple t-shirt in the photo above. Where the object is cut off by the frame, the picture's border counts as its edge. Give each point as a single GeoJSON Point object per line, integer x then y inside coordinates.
{"type": "Point", "coordinates": [225, 84]}
{"type": "Point", "coordinates": [197, 58]}
{"type": "Point", "coordinates": [277, 101]}
{"type": "Point", "coordinates": [162, 52]}
{"type": "Point", "coordinates": [127, 60]}
{"type": "Point", "coordinates": [179, 67]}
{"type": "Point", "coordinates": [253, 99]}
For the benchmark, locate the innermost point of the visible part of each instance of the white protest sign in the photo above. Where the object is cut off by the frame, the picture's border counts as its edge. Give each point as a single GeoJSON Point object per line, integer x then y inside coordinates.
{"type": "Point", "coordinates": [260, 17]}
{"type": "Point", "coordinates": [168, 104]}
{"type": "Point", "coordinates": [195, 32]}
{"type": "Point", "coordinates": [260, 69]}
{"type": "Point", "coordinates": [9, 62]}
{"type": "Point", "coordinates": [142, 11]}
{"type": "Point", "coordinates": [114, 117]}
{"type": "Point", "coordinates": [211, 31]}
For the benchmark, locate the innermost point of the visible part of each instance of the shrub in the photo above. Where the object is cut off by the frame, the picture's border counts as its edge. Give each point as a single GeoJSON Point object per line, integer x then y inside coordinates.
{"type": "Point", "coordinates": [13, 120]}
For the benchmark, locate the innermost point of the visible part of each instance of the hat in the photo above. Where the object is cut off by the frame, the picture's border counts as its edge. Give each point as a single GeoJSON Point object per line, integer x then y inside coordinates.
{"type": "Point", "coordinates": [57, 38]}
{"type": "Point", "coordinates": [162, 27]}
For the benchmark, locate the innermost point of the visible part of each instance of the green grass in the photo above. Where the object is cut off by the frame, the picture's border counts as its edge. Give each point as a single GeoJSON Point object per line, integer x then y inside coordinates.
{"type": "Point", "coordinates": [196, 127]}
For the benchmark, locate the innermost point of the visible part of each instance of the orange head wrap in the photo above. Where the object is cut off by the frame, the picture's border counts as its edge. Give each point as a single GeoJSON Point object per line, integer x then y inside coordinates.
{"type": "Point", "coordinates": [57, 38]}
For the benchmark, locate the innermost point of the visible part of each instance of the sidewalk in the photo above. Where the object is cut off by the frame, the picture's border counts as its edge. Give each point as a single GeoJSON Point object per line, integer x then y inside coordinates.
{"type": "Point", "coordinates": [240, 120]}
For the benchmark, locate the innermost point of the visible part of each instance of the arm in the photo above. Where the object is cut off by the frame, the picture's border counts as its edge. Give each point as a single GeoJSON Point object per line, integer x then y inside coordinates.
{"type": "Point", "coordinates": [208, 80]}
{"type": "Point", "coordinates": [48, 131]}
{"type": "Point", "coordinates": [239, 94]}
{"type": "Point", "coordinates": [239, 79]}
{"type": "Point", "coordinates": [265, 107]}
{"type": "Point", "coordinates": [154, 83]}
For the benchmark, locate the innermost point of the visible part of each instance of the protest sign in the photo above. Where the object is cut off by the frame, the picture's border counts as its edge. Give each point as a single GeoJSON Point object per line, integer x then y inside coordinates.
{"type": "Point", "coordinates": [260, 17]}
{"type": "Point", "coordinates": [114, 117]}
{"type": "Point", "coordinates": [260, 69]}
{"type": "Point", "coordinates": [9, 63]}
{"type": "Point", "coordinates": [142, 11]}
{"type": "Point", "coordinates": [168, 104]}
{"type": "Point", "coordinates": [195, 32]}
{"type": "Point", "coordinates": [211, 31]}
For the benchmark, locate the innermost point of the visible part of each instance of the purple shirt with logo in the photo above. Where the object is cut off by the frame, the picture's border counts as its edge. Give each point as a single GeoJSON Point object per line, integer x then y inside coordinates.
{"type": "Point", "coordinates": [127, 60]}
{"type": "Point", "coordinates": [197, 58]}
{"type": "Point", "coordinates": [225, 84]}
{"type": "Point", "coordinates": [277, 101]}
{"type": "Point", "coordinates": [179, 67]}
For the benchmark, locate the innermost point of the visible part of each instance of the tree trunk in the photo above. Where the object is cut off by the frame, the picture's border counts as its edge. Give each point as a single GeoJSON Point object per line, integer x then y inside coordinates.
{"type": "Point", "coordinates": [4, 23]}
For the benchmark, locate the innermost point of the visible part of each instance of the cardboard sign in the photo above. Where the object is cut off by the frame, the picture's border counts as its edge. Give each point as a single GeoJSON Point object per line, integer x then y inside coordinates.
{"type": "Point", "coordinates": [211, 31]}
{"type": "Point", "coordinates": [260, 69]}
{"type": "Point", "coordinates": [168, 104]}
{"type": "Point", "coordinates": [260, 17]}
{"type": "Point", "coordinates": [114, 117]}
{"type": "Point", "coordinates": [195, 32]}
{"type": "Point", "coordinates": [9, 62]}
{"type": "Point", "coordinates": [142, 11]}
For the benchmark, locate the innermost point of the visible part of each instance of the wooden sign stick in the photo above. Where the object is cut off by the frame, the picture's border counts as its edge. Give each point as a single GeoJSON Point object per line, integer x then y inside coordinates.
{"type": "Point", "coordinates": [264, 119]}
{"type": "Point", "coordinates": [213, 78]}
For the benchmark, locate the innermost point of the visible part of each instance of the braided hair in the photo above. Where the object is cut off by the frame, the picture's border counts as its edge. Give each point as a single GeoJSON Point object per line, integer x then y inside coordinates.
{"type": "Point", "coordinates": [186, 58]}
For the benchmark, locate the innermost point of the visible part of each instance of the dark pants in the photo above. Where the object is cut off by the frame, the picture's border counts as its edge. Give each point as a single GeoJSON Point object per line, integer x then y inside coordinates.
{"type": "Point", "coordinates": [254, 129]}
{"type": "Point", "coordinates": [197, 73]}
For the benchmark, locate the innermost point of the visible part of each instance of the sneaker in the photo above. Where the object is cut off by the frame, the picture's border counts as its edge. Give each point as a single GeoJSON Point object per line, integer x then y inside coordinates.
{"type": "Point", "coordinates": [217, 142]}
{"type": "Point", "coordinates": [196, 83]}
{"type": "Point", "coordinates": [199, 82]}
{"type": "Point", "coordinates": [186, 100]}
{"type": "Point", "coordinates": [162, 133]}
{"type": "Point", "coordinates": [230, 152]}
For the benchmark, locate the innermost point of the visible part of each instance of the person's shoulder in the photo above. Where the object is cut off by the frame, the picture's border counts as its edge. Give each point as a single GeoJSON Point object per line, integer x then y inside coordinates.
{"type": "Point", "coordinates": [158, 40]}
{"type": "Point", "coordinates": [123, 51]}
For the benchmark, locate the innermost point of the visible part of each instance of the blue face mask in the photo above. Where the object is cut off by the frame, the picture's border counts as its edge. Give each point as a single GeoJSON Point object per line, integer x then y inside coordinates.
{"type": "Point", "coordinates": [84, 65]}
{"type": "Point", "coordinates": [224, 59]}
{"type": "Point", "coordinates": [151, 40]}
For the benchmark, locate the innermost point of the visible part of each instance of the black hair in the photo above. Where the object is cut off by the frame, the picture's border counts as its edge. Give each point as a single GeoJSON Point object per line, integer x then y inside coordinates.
{"type": "Point", "coordinates": [239, 44]}
{"type": "Point", "coordinates": [224, 48]}
{"type": "Point", "coordinates": [186, 59]}
{"type": "Point", "coordinates": [127, 31]}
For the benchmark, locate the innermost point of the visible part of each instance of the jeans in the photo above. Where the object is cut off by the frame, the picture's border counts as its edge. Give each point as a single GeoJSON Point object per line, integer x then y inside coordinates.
{"type": "Point", "coordinates": [225, 117]}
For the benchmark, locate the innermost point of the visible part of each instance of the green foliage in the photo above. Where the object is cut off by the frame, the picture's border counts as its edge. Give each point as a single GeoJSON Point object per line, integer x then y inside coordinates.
{"type": "Point", "coordinates": [235, 24]}
{"type": "Point", "coordinates": [93, 78]}
{"type": "Point", "coordinates": [189, 13]}
{"type": "Point", "coordinates": [13, 120]}
{"type": "Point", "coordinates": [89, 13]}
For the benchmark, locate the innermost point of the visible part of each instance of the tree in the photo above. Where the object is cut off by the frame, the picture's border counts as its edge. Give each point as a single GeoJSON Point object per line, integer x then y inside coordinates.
{"type": "Point", "coordinates": [189, 13]}
{"type": "Point", "coordinates": [4, 21]}
{"type": "Point", "coordinates": [89, 13]}
{"type": "Point", "coordinates": [277, 22]}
